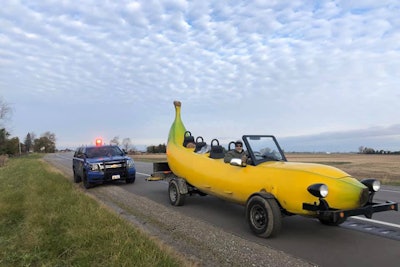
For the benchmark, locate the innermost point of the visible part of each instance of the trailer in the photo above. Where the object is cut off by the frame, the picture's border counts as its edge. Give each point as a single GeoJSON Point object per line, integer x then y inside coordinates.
{"type": "Point", "coordinates": [178, 187]}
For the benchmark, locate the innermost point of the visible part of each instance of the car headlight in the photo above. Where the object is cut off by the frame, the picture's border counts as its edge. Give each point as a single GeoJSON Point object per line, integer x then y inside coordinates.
{"type": "Point", "coordinates": [130, 163]}
{"type": "Point", "coordinates": [318, 190]}
{"type": "Point", "coordinates": [94, 167]}
{"type": "Point", "coordinates": [372, 184]}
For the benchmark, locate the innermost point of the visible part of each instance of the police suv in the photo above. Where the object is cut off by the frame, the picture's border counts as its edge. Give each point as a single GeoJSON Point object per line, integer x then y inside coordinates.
{"type": "Point", "coordinates": [101, 163]}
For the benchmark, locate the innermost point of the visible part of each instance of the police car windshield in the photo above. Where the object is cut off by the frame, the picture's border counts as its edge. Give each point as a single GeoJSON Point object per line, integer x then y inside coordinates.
{"type": "Point", "coordinates": [105, 151]}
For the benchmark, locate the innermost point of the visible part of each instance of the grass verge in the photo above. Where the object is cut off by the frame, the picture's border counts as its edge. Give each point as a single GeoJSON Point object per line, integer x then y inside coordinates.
{"type": "Point", "coordinates": [46, 221]}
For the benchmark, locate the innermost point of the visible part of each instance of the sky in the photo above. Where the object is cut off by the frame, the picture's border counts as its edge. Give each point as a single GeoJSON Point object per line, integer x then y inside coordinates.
{"type": "Point", "coordinates": [319, 75]}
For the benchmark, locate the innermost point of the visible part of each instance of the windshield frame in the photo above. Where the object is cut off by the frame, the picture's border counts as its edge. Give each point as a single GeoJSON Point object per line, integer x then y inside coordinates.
{"type": "Point", "coordinates": [250, 151]}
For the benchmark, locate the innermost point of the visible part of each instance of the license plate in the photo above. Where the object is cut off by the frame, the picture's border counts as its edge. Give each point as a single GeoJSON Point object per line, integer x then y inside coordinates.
{"type": "Point", "coordinates": [115, 177]}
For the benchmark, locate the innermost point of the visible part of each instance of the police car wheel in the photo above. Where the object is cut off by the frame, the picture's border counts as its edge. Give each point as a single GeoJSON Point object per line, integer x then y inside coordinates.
{"type": "Point", "coordinates": [86, 184]}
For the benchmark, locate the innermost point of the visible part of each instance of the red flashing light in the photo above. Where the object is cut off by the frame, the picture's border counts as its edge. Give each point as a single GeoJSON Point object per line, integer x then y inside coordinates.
{"type": "Point", "coordinates": [99, 142]}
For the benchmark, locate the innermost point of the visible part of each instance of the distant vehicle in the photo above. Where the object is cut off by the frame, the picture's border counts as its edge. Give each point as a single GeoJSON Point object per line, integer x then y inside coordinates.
{"type": "Point", "coordinates": [268, 185]}
{"type": "Point", "coordinates": [101, 163]}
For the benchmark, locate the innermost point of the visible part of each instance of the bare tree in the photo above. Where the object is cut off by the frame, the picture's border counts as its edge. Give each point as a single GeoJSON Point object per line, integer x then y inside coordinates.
{"type": "Point", "coordinates": [115, 141]}
{"type": "Point", "coordinates": [5, 110]}
{"type": "Point", "coordinates": [33, 136]}
{"type": "Point", "coordinates": [126, 143]}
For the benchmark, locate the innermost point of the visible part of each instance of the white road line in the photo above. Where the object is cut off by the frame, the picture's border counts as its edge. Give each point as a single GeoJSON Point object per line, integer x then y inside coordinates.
{"type": "Point", "coordinates": [377, 222]}
{"type": "Point", "coordinates": [145, 174]}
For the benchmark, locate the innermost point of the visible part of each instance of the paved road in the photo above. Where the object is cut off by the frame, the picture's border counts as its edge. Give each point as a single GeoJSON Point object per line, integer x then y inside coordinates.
{"type": "Point", "coordinates": [358, 242]}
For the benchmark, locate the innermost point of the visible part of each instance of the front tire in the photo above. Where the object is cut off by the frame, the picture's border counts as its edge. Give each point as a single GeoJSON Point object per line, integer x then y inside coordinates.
{"type": "Point", "coordinates": [264, 216]}
{"type": "Point", "coordinates": [86, 183]}
{"type": "Point", "coordinates": [77, 178]}
{"type": "Point", "coordinates": [130, 180]}
{"type": "Point", "coordinates": [176, 198]}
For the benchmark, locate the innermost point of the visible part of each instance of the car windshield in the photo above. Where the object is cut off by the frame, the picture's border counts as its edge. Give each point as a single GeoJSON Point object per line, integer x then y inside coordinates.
{"type": "Point", "coordinates": [104, 151]}
{"type": "Point", "coordinates": [264, 148]}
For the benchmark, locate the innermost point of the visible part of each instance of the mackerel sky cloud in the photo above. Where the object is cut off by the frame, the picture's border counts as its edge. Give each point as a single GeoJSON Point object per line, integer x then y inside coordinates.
{"type": "Point", "coordinates": [325, 70]}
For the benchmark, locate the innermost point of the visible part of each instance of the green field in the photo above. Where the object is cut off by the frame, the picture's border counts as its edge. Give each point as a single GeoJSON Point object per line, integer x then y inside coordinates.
{"type": "Point", "coordinates": [45, 220]}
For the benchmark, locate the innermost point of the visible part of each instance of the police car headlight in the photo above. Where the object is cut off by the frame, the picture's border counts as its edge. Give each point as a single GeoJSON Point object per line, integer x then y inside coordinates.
{"type": "Point", "coordinates": [94, 167]}
{"type": "Point", "coordinates": [372, 184]}
{"type": "Point", "coordinates": [130, 163]}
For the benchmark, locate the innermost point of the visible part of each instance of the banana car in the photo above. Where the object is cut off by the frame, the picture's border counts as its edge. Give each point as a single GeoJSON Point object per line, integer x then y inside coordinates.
{"type": "Point", "coordinates": [267, 184]}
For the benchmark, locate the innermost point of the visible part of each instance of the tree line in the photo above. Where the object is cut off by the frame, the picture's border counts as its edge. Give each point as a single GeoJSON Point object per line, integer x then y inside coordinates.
{"type": "Point", "coordinates": [46, 143]}
{"type": "Point", "coordinates": [9, 145]}
{"type": "Point", "coordinates": [127, 145]}
{"type": "Point", "coordinates": [161, 148]}
{"type": "Point", "coordinates": [368, 150]}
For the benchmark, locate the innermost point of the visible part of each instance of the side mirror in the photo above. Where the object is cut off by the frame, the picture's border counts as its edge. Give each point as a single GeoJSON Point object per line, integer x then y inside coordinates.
{"type": "Point", "coordinates": [236, 162]}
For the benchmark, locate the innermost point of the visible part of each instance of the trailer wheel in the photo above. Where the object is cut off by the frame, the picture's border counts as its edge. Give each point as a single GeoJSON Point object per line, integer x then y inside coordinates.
{"type": "Point", "coordinates": [175, 196]}
{"type": "Point", "coordinates": [264, 216]}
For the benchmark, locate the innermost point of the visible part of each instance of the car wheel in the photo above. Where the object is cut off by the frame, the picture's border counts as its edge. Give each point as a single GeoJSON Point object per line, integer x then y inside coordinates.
{"type": "Point", "coordinates": [130, 180]}
{"type": "Point", "coordinates": [175, 197]}
{"type": "Point", "coordinates": [86, 184]}
{"type": "Point", "coordinates": [77, 178]}
{"type": "Point", "coordinates": [331, 222]}
{"type": "Point", "coordinates": [264, 216]}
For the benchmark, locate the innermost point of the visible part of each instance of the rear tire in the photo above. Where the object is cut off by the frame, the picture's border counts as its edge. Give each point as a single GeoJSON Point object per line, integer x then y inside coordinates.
{"type": "Point", "coordinates": [264, 216]}
{"type": "Point", "coordinates": [175, 196]}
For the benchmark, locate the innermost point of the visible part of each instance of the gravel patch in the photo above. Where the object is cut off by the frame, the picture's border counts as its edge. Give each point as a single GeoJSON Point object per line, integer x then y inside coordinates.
{"type": "Point", "coordinates": [202, 244]}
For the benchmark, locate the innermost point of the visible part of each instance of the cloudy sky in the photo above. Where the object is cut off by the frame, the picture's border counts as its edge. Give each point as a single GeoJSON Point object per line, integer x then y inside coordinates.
{"type": "Point", "coordinates": [320, 75]}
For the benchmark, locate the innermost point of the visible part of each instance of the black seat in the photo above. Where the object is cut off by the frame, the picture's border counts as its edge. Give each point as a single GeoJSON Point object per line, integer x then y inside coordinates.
{"type": "Point", "coordinates": [188, 138]}
{"type": "Point", "coordinates": [231, 143]}
{"type": "Point", "coordinates": [217, 151]}
{"type": "Point", "coordinates": [199, 143]}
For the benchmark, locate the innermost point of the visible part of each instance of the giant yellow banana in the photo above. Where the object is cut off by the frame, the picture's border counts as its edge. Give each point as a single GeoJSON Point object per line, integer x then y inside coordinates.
{"type": "Point", "coordinates": [287, 181]}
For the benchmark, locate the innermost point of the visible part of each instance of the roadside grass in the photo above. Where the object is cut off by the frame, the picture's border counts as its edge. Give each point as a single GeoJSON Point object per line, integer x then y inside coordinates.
{"type": "Point", "coordinates": [46, 221]}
